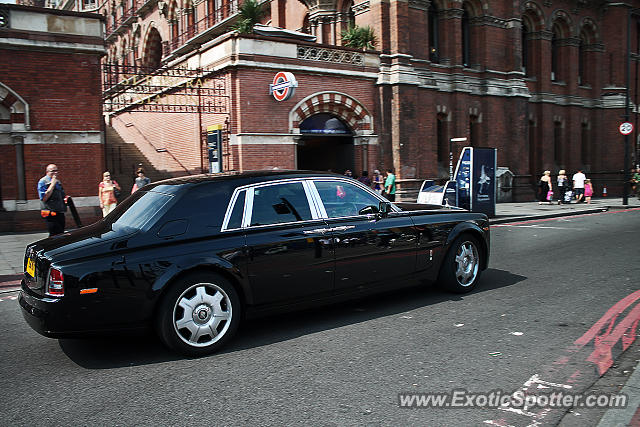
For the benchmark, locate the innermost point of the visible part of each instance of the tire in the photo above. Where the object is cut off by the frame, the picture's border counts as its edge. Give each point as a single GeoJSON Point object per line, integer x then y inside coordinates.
{"type": "Point", "coordinates": [199, 314]}
{"type": "Point", "coordinates": [460, 270]}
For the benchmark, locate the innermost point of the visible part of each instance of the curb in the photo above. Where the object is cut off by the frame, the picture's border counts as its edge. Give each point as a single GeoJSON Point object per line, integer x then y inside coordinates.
{"type": "Point", "coordinates": [549, 215]}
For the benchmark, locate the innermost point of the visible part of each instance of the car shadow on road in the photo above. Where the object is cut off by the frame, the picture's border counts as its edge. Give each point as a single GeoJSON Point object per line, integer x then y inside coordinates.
{"type": "Point", "coordinates": [117, 351]}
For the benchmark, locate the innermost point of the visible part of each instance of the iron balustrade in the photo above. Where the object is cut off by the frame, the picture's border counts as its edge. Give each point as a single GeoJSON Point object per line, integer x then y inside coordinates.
{"type": "Point", "coordinates": [211, 20]}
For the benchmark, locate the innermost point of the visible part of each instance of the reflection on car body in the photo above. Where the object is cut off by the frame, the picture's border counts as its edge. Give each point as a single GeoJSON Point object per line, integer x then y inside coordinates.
{"type": "Point", "coordinates": [189, 257]}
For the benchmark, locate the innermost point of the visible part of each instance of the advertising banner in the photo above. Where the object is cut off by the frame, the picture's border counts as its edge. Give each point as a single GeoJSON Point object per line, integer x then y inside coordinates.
{"type": "Point", "coordinates": [483, 195]}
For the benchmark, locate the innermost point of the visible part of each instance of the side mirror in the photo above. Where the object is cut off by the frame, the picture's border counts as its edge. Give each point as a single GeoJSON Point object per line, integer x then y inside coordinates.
{"type": "Point", "coordinates": [384, 208]}
{"type": "Point", "coordinates": [368, 210]}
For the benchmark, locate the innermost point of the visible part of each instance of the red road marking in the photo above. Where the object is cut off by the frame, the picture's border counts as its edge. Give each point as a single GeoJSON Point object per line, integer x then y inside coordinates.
{"type": "Point", "coordinates": [618, 308]}
{"type": "Point", "coordinates": [635, 421]}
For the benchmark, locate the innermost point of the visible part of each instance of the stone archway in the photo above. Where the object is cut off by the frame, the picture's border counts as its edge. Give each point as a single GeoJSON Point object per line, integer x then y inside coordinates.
{"type": "Point", "coordinates": [325, 148]}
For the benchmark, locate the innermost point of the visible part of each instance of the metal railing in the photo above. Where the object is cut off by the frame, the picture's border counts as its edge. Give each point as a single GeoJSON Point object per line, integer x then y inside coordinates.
{"type": "Point", "coordinates": [211, 20]}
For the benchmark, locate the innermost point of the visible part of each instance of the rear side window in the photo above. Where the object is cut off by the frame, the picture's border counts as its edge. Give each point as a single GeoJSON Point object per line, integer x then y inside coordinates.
{"type": "Point", "coordinates": [280, 203]}
{"type": "Point", "coordinates": [235, 219]}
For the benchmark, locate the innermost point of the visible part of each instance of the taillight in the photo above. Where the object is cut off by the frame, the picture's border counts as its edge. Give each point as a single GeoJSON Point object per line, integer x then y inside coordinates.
{"type": "Point", "coordinates": [55, 285]}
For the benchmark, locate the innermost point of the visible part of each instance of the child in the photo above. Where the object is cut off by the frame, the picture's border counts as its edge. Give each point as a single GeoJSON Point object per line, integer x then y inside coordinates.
{"type": "Point", "coordinates": [588, 190]}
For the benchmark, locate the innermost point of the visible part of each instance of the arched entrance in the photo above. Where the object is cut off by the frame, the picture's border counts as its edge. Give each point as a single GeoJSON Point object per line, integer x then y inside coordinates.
{"type": "Point", "coordinates": [326, 143]}
{"type": "Point", "coordinates": [333, 132]}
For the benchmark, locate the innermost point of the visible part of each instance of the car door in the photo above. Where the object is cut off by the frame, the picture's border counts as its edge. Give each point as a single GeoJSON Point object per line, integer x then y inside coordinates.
{"type": "Point", "coordinates": [289, 255]}
{"type": "Point", "coordinates": [369, 249]}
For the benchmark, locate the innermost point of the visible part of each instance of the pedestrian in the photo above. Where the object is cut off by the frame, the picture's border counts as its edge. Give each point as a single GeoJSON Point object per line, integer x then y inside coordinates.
{"type": "Point", "coordinates": [578, 185]}
{"type": "Point", "coordinates": [365, 178]}
{"type": "Point", "coordinates": [545, 189]}
{"type": "Point", "coordinates": [140, 181]}
{"type": "Point", "coordinates": [107, 190]}
{"type": "Point", "coordinates": [588, 190]}
{"type": "Point", "coordinates": [390, 186]}
{"type": "Point", "coordinates": [635, 178]}
{"type": "Point", "coordinates": [52, 196]}
{"type": "Point", "coordinates": [348, 173]}
{"type": "Point", "coordinates": [377, 181]}
{"type": "Point", "coordinates": [563, 185]}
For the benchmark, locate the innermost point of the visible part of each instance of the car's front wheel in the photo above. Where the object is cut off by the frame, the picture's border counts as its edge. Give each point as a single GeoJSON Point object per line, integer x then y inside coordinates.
{"type": "Point", "coordinates": [199, 314]}
{"type": "Point", "coordinates": [461, 267]}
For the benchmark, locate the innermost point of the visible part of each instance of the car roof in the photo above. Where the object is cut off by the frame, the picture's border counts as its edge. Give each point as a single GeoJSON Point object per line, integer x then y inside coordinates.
{"type": "Point", "coordinates": [255, 176]}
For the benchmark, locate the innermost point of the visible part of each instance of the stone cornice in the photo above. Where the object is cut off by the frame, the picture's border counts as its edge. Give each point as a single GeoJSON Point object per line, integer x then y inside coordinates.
{"type": "Point", "coordinates": [361, 7]}
{"type": "Point", "coordinates": [491, 21]}
{"type": "Point", "coordinates": [540, 35]}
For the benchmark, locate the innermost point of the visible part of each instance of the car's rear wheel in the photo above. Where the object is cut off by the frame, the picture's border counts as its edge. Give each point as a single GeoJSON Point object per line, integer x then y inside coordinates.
{"type": "Point", "coordinates": [461, 267]}
{"type": "Point", "coordinates": [199, 314]}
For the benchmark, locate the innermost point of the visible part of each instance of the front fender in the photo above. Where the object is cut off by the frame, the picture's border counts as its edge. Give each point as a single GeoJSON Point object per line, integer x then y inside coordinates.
{"type": "Point", "coordinates": [481, 232]}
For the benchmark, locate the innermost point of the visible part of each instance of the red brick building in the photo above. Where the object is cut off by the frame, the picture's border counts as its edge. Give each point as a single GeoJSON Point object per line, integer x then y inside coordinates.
{"type": "Point", "coordinates": [542, 81]}
{"type": "Point", "coordinates": [50, 107]}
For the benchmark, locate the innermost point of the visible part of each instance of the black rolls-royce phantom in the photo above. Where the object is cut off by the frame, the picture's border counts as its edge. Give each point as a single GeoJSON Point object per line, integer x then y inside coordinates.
{"type": "Point", "coordinates": [190, 257]}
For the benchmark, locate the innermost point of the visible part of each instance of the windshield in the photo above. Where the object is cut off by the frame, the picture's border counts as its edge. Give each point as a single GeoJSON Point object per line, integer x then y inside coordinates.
{"type": "Point", "coordinates": [137, 210]}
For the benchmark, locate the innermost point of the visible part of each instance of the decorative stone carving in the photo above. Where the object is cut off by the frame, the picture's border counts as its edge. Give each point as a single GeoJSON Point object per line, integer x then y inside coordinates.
{"type": "Point", "coordinates": [360, 7]}
{"type": "Point", "coordinates": [420, 4]}
{"type": "Point", "coordinates": [330, 55]}
{"type": "Point", "coordinates": [4, 17]}
{"type": "Point", "coordinates": [162, 8]}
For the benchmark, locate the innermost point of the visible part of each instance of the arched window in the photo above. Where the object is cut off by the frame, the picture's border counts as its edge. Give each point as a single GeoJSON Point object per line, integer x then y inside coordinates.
{"type": "Point", "coordinates": [153, 50]}
{"type": "Point", "coordinates": [524, 40]}
{"type": "Point", "coordinates": [581, 60]}
{"type": "Point", "coordinates": [466, 38]}
{"type": "Point", "coordinates": [587, 38]}
{"type": "Point", "coordinates": [434, 42]}
{"type": "Point", "coordinates": [554, 56]}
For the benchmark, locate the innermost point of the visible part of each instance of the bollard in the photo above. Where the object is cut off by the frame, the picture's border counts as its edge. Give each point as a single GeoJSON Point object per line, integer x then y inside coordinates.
{"type": "Point", "coordinates": [604, 191]}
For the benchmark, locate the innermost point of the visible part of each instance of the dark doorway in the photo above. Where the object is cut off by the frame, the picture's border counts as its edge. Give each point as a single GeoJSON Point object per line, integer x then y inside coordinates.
{"type": "Point", "coordinates": [326, 144]}
{"type": "Point", "coordinates": [323, 153]}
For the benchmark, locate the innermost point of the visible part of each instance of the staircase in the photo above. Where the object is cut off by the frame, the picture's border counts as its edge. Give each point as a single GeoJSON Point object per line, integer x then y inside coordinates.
{"type": "Point", "coordinates": [122, 159]}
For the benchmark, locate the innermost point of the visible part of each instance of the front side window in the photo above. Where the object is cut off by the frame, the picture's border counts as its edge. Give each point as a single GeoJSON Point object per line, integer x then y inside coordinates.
{"type": "Point", "coordinates": [342, 199]}
{"type": "Point", "coordinates": [280, 203]}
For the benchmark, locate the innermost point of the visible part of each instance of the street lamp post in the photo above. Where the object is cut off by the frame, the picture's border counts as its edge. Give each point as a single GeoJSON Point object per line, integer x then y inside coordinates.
{"type": "Point", "coordinates": [625, 191]}
{"type": "Point", "coordinates": [451, 141]}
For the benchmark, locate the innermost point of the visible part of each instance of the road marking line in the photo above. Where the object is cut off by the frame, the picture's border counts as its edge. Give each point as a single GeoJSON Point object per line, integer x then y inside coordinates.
{"type": "Point", "coordinates": [541, 226]}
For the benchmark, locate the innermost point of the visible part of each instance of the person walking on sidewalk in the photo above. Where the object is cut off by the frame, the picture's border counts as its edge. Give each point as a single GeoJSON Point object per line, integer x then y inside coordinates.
{"type": "Point", "coordinates": [377, 181]}
{"type": "Point", "coordinates": [545, 189]}
{"type": "Point", "coordinates": [140, 181]}
{"type": "Point", "coordinates": [390, 186]}
{"type": "Point", "coordinates": [107, 193]}
{"type": "Point", "coordinates": [52, 206]}
{"type": "Point", "coordinates": [563, 185]}
{"type": "Point", "coordinates": [588, 190]}
{"type": "Point", "coordinates": [578, 185]}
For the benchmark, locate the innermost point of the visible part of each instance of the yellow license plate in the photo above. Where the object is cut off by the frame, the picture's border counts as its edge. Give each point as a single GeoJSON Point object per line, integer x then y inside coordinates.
{"type": "Point", "coordinates": [31, 267]}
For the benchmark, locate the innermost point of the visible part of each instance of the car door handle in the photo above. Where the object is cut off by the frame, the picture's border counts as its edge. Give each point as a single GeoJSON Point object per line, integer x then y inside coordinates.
{"type": "Point", "coordinates": [342, 228]}
{"type": "Point", "coordinates": [317, 231]}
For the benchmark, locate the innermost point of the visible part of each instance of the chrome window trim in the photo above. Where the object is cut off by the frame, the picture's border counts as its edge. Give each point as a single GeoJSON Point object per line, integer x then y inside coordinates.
{"type": "Point", "coordinates": [229, 211]}
{"type": "Point", "coordinates": [248, 208]}
{"type": "Point", "coordinates": [316, 206]}
{"type": "Point", "coordinates": [313, 198]}
{"type": "Point", "coordinates": [353, 182]}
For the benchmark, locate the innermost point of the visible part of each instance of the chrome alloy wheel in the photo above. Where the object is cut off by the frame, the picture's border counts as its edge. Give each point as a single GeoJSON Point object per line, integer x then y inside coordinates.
{"type": "Point", "coordinates": [466, 263]}
{"type": "Point", "coordinates": [202, 314]}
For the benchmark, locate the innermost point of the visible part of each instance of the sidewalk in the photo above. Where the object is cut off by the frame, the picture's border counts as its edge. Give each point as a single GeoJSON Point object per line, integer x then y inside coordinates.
{"type": "Point", "coordinates": [12, 245]}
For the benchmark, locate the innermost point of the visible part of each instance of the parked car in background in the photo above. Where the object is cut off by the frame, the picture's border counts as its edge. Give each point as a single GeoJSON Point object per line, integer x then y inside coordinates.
{"type": "Point", "coordinates": [190, 257]}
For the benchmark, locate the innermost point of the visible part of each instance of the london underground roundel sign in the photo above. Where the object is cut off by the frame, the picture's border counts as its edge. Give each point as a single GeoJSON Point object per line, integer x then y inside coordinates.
{"type": "Point", "coordinates": [284, 86]}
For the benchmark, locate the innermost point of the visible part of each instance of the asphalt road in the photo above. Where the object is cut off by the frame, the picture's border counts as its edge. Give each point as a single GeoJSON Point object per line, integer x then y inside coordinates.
{"type": "Point", "coordinates": [549, 282]}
